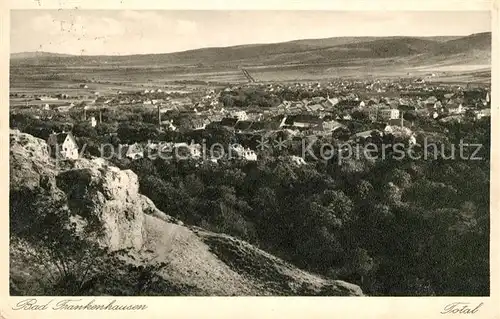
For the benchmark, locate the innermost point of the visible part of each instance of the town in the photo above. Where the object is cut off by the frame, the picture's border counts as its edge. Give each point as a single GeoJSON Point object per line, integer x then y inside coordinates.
{"type": "Point", "coordinates": [244, 115]}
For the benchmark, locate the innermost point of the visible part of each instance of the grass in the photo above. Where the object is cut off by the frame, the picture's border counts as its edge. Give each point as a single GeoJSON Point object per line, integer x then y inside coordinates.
{"type": "Point", "coordinates": [128, 78]}
{"type": "Point", "coordinates": [272, 273]}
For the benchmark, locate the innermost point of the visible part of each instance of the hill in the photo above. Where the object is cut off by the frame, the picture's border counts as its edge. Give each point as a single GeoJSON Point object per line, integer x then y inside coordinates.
{"type": "Point", "coordinates": [198, 262]}
{"type": "Point", "coordinates": [37, 55]}
{"type": "Point", "coordinates": [478, 41]}
{"type": "Point", "coordinates": [312, 50]}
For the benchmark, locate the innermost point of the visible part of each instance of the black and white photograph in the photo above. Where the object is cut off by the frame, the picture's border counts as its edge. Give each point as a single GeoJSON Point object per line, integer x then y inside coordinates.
{"type": "Point", "coordinates": [249, 153]}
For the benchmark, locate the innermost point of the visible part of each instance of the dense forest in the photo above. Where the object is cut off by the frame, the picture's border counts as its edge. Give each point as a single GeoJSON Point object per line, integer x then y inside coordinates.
{"type": "Point", "coordinates": [395, 227]}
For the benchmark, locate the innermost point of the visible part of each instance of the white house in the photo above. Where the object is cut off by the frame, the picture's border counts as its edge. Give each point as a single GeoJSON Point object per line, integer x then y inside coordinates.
{"type": "Point", "coordinates": [457, 110]}
{"type": "Point", "coordinates": [93, 121]}
{"type": "Point", "coordinates": [412, 140]}
{"type": "Point", "coordinates": [47, 98]}
{"type": "Point", "coordinates": [388, 114]}
{"type": "Point", "coordinates": [482, 113]}
{"type": "Point", "coordinates": [64, 108]}
{"type": "Point", "coordinates": [198, 124]}
{"type": "Point", "coordinates": [237, 149]}
{"type": "Point", "coordinates": [168, 125]}
{"type": "Point", "coordinates": [388, 129]}
{"type": "Point", "coordinates": [250, 155]}
{"type": "Point", "coordinates": [195, 150]}
{"type": "Point", "coordinates": [297, 160]}
{"type": "Point", "coordinates": [240, 115]}
{"type": "Point", "coordinates": [283, 120]}
{"type": "Point", "coordinates": [438, 105]}
{"type": "Point", "coordinates": [331, 102]}
{"type": "Point", "coordinates": [245, 153]}
{"type": "Point", "coordinates": [331, 125]}
{"type": "Point", "coordinates": [63, 146]}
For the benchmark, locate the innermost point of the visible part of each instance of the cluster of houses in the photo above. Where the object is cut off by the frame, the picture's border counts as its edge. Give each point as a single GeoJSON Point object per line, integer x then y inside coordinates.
{"type": "Point", "coordinates": [318, 115]}
{"type": "Point", "coordinates": [181, 101]}
{"type": "Point", "coordinates": [183, 150]}
{"type": "Point", "coordinates": [345, 86]}
{"type": "Point", "coordinates": [63, 146]}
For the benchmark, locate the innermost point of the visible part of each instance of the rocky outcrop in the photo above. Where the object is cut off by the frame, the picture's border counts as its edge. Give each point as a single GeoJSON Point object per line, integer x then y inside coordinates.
{"type": "Point", "coordinates": [107, 197]}
{"type": "Point", "coordinates": [104, 195]}
{"type": "Point", "coordinates": [30, 164]}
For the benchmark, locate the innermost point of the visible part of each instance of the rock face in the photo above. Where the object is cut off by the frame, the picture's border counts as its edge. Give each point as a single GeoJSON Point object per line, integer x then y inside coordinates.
{"type": "Point", "coordinates": [103, 193]}
{"type": "Point", "coordinates": [30, 164]}
{"type": "Point", "coordinates": [213, 264]}
{"type": "Point", "coordinates": [108, 196]}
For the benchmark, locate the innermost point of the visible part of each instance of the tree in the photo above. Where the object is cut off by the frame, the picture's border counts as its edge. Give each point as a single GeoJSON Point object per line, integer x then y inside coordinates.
{"type": "Point", "coordinates": [227, 100]}
{"type": "Point", "coordinates": [342, 134]}
{"type": "Point", "coordinates": [431, 194]}
{"type": "Point", "coordinates": [360, 263]}
{"type": "Point", "coordinates": [219, 134]}
{"type": "Point", "coordinates": [364, 189]}
{"type": "Point", "coordinates": [143, 167]}
{"type": "Point", "coordinates": [469, 114]}
{"type": "Point", "coordinates": [137, 132]}
{"type": "Point", "coordinates": [84, 129]}
{"type": "Point", "coordinates": [105, 128]}
{"type": "Point", "coordinates": [339, 207]}
{"type": "Point", "coordinates": [410, 116]}
{"type": "Point", "coordinates": [45, 233]}
{"type": "Point", "coordinates": [358, 115]}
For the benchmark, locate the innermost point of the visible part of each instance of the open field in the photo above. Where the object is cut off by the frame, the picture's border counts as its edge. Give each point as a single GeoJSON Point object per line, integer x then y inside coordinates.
{"type": "Point", "coordinates": [130, 78]}
{"type": "Point", "coordinates": [317, 59]}
{"type": "Point", "coordinates": [120, 79]}
{"type": "Point", "coordinates": [443, 60]}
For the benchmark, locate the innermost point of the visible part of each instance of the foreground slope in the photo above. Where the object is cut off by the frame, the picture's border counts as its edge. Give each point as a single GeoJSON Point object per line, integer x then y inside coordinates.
{"type": "Point", "coordinates": [206, 262]}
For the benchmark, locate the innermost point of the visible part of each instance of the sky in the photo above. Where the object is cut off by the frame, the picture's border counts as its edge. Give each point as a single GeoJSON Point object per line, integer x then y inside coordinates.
{"type": "Point", "coordinates": [121, 32]}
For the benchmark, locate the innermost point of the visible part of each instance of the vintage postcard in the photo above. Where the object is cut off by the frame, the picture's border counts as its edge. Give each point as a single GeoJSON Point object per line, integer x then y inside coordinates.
{"type": "Point", "coordinates": [334, 151]}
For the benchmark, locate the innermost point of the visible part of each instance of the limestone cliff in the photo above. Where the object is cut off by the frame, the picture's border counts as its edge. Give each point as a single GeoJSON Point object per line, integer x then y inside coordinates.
{"type": "Point", "coordinates": [215, 264]}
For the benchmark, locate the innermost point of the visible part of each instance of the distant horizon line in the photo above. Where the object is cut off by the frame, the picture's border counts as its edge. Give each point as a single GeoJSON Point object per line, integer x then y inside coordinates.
{"type": "Point", "coordinates": [248, 44]}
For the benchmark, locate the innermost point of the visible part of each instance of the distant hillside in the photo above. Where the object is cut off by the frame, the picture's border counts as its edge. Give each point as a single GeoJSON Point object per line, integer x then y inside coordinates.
{"type": "Point", "coordinates": [38, 54]}
{"type": "Point", "coordinates": [316, 51]}
{"type": "Point", "coordinates": [392, 47]}
{"type": "Point", "coordinates": [478, 41]}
